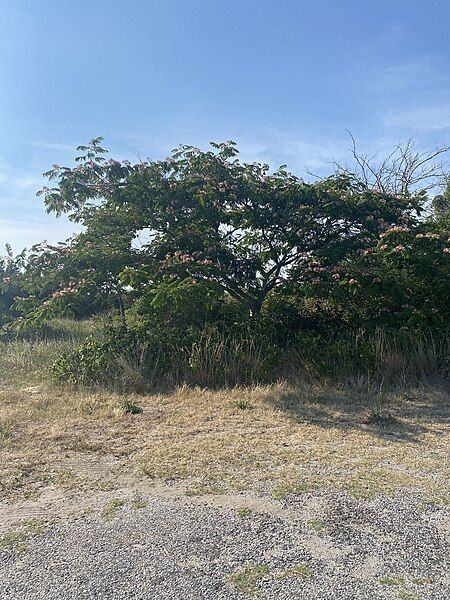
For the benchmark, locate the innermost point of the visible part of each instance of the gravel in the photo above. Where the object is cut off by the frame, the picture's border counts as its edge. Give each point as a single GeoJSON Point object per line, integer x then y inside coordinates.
{"type": "Point", "coordinates": [323, 546]}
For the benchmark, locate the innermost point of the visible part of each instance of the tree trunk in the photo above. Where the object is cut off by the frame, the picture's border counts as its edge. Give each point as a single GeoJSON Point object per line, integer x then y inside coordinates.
{"type": "Point", "coordinates": [121, 308]}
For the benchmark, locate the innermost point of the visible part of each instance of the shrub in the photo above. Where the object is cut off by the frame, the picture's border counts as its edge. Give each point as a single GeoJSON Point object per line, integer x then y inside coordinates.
{"type": "Point", "coordinates": [211, 359]}
{"type": "Point", "coordinates": [87, 364]}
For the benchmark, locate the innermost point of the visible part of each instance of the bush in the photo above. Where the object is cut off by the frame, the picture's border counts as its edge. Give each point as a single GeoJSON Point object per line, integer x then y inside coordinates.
{"type": "Point", "coordinates": [210, 358]}
{"type": "Point", "coordinates": [87, 364]}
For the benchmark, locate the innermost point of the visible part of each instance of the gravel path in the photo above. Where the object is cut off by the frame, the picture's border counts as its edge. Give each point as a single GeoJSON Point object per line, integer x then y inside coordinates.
{"type": "Point", "coordinates": [318, 546]}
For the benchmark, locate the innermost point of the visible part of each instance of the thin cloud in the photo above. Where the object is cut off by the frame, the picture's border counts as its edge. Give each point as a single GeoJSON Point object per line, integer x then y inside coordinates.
{"type": "Point", "coordinates": [54, 146]}
{"type": "Point", "coordinates": [420, 74]}
{"type": "Point", "coordinates": [20, 234]}
{"type": "Point", "coordinates": [421, 119]}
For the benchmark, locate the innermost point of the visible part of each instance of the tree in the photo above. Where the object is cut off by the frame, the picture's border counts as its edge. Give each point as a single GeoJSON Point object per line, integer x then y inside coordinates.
{"type": "Point", "coordinates": [210, 217]}
{"type": "Point", "coordinates": [441, 205]}
{"type": "Point", "coordinates": [11, 282]}
{"type": "Point", "coordinates": [78, 278]}
{"type": "Point", "coordinates": [402, 279]}
{"type": "Point", "coordinates": [403, 171]}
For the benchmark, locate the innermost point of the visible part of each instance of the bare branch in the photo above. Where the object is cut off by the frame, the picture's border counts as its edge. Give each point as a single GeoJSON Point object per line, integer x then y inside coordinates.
{"type": "Point", "coordinates": [404, 170]}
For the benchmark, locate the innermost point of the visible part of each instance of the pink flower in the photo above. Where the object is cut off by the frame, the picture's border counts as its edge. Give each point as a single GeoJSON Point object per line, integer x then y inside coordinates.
{"type": "Point", "coordinates": [352, 282]}
{"type": "Point", "coordinates": [398, 228]}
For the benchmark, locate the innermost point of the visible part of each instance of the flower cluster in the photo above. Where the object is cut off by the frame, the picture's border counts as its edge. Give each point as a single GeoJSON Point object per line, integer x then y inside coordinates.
{"type": "Point", "coordinates": [184, 257]}
{"type": "Point", "coordinates": [429, 235]}
{"type": "Point", "coordinates": [395, 229]}
{"type": "Point", "coordinates": [72, 288]}
{"type": "Point", "coordinates": [64, 292]}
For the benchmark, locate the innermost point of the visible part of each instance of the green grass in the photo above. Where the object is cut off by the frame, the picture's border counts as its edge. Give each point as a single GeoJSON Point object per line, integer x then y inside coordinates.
{"type": "Point", "coordinates": [302, 571]}
{"type": "Point", "coordinates": [245, 581]}
{"type": "Point", "coordinates": [28, 357]}
{"type": "Point", "coordinates": [318, 525]}
{"type": "Point", "coordinates": [26, 529]}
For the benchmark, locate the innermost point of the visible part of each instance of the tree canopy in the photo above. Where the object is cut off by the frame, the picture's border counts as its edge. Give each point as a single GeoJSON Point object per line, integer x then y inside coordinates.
{"type": "Point", "coordinates": [212, 218]}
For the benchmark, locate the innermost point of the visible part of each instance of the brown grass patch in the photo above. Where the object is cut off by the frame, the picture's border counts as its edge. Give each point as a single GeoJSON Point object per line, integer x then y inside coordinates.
{"type": "Point", "coordinates": [293, 439]}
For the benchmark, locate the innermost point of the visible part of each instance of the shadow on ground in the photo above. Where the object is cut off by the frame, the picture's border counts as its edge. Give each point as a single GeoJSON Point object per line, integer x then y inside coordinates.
{"type": "Point", "coordinates": [397, 416]}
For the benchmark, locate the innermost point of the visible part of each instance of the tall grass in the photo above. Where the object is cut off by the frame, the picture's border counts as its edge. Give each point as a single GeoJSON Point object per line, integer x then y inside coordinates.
{"type": "Point", "coordinates": [384, 357]}
{"type": "Point", "coordinates": [28, 357]}
{"type": "Point", "coordinates": [367, 361]}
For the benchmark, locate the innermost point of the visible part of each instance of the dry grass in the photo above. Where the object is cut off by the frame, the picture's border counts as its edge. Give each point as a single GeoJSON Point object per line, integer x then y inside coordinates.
{"type": "Point", "coordinates": [288, 439]}
{"type": "Point", "coordinates": [279, 438]}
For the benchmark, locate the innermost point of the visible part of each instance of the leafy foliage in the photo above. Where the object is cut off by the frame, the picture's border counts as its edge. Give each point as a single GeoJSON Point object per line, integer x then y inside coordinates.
{"type": "Point", "coordinates": [213, 218]}
{"type": "Point", "coordinates": [213, 270]}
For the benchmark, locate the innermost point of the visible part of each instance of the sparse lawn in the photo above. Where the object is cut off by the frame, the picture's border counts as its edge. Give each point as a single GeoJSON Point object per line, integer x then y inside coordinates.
{"type": "Point", "coordinates": [21, 533]}
{"type": "Point", "coordinates": [294, 438]}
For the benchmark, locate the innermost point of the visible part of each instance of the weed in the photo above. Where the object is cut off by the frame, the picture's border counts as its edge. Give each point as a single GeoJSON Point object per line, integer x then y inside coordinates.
{"type": "Point", "coordinates": [244, 512]}
{"type": "Point", "coordinates": [9, 538]}
{"type": "Point", "coordinates": [317, 524]}
{"type": "Point", "coordinates": [405, 595]}
{"type": "Point", "coordinates": [105, 486]}
{"type": "Point", "coordinates": [245, 581]}
{"type": "Point", "coordinates": [422, 580]}
{"type": "Point", "coordinates": [204, 489]}
{"type": "Point", "coordinates": [26, 529]}
{"type": "Point", "coordinates": [302, 571]}
{"type": "Point", "coordinates": [283, 490]}
{"type": "Point", "coordinates": [110, 510]}
{"type": "Point", "coordinates": [66, 479]}
{"type": "Point", "coordinates": [392, 580]}
{"type": "Point", "coordinates": [128, 407]}
{"type": "Point", "coordinates": [242, 403]}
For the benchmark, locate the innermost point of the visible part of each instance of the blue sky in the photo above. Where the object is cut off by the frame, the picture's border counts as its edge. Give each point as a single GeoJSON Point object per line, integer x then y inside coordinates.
{"type": "Point", "coordinates": [284, 78]}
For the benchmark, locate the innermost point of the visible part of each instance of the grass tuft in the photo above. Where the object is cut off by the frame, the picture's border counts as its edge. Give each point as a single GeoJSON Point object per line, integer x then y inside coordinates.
{"type": "Point", "coordinates": [302, 571]}
{"type": "Point", "coordinates": [111, 509]}
{"type": "Point", "coordinates": [246, 580]}
{"type": "Point", "coordinates": [26, 529]}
